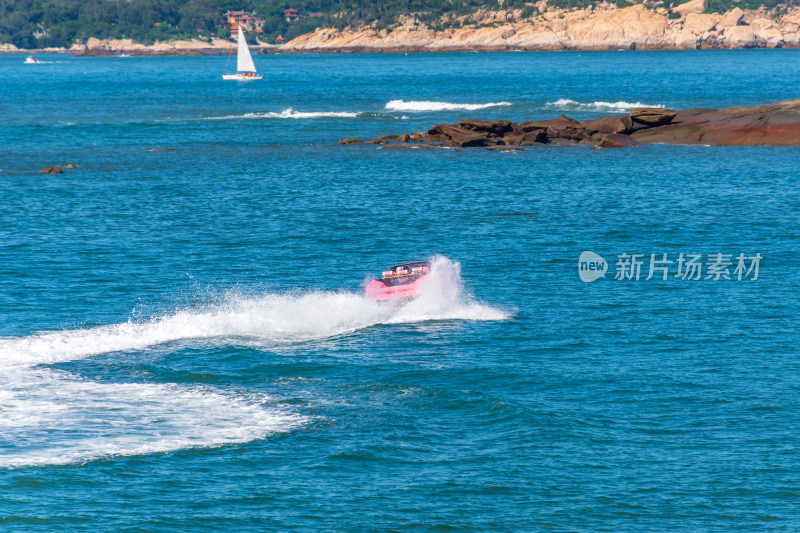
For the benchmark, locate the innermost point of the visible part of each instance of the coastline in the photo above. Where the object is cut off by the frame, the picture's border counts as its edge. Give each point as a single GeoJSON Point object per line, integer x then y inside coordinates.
{"type": "Point", "coordinates": [604, 27]}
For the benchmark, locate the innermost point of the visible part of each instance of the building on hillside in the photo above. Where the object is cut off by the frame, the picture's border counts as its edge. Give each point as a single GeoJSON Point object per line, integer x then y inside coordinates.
{"type": "Point", "coordinates": [240, 18]}
{"type": "Point", "coordinates": [279, 39]}
{"type": "Point", "coordinates": [290, 15]}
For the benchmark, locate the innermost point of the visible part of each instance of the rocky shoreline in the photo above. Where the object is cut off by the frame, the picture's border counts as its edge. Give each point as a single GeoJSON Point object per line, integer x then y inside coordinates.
{"type": "Point", "coordinates": [601, 27]}
{"type": "Point", "coordinates": [776, 124]}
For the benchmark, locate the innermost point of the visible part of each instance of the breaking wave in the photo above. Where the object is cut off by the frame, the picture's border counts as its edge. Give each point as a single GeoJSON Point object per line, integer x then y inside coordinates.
{"type": "Point", "coordinates": [565, 104]}
{"type": "Point", "coordinates": [53, 417]}
{"type": "Point", "coordinates": [289, 113]}
{"type": "Point", "coordinates": [416, 106]}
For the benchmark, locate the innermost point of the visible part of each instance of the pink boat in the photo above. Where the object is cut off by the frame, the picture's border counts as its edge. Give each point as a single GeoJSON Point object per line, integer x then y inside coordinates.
{"type": "Point", "coordinates": [400, 282]}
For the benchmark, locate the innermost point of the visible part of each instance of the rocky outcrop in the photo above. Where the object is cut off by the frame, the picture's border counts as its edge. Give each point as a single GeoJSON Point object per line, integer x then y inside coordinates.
{"type": "Point", "coordinates": [613, 124]}
{"type": "Point", "coordinates": [616, 140]}
{"type": "Point", "coordinates": [692, 6]}
{"type": "Point", "coordinates": [775, 124]}
{"type": "Point", "coordinates": [52, 170]}
{"type": "Point", "coordinates": [601, 27]}
{"type": "Point", "coordinates": [652, 116]}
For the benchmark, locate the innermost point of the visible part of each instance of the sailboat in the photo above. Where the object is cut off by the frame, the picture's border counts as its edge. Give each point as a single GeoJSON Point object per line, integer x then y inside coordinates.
{"type": "Point", "coordinates": [245, 69]}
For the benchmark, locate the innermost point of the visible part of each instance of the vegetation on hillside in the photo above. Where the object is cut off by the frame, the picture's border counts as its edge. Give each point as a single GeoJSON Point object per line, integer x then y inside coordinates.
{"type": "Point", "coordinates": [60, 23]}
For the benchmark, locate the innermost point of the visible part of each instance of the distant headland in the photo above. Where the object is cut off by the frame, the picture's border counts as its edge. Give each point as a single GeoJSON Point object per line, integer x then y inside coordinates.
{"type": "Point", "coordinates": [507, 26]}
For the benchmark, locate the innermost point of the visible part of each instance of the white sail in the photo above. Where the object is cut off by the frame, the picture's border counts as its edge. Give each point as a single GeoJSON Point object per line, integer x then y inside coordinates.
{"type": "Point", "coordinates": [244, 61]}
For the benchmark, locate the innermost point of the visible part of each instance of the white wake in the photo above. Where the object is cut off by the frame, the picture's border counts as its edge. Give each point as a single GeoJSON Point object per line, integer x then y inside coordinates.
{"type": "Point", "coordinates": [53, 417]}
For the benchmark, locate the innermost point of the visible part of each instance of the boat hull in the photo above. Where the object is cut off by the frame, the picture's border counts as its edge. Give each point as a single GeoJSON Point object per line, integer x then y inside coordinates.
{"type": "Point", "coordinates": [242, 77]}
{"type": "Point", "coordinates": [377, 290]}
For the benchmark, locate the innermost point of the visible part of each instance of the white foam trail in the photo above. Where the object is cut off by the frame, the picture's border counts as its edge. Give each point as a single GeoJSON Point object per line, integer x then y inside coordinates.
{"type": "Point", "coordinates": [49, 417]}
{"type": "Point", "coordinates": [416, 106]}
{"type": "Point", "coordinates": [269, 320]}
{"type": "Point", "coordinates": [565, 104]}
{"type": "Point", "coordinates": [52, 417]}
{"type": "Point", "coordinates": [289, 113]}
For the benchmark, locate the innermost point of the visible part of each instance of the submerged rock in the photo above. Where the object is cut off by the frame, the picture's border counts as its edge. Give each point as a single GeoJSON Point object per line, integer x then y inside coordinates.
{"type": "Point", "coordinates": [52, 170]}
{"type": "Point", "coordinates": [385, 139]}
{"type": "Point", "coordinates": [616, 140]}
{"type": "Point", "coordinates": [350, 140]}
{"type": "Point", "coordinates": [408, 146]}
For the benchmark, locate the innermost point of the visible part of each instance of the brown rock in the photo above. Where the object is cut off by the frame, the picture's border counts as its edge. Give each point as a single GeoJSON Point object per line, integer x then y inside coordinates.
{"type": "Point", "coordinates": [467, 141]}
{"type": "Point", "coordinates": [456, 135]}
{"type": "Point", "coordinates": [52, 170]}
{"type": "Point", "coordinates": [616, 140]}
{"type": "Point", "coordinates": [453, 130]}
{"type": "Point", "coordinates": [71, 166]}
{"type": "Point", "coordinates": [496, 127]}
{"type": "Point", "coordinates": [530, 138]}
{"type": "Point", "coordinates": [775, 124]}
{"type": "Point", "coordinates": [561, 127]}
{"type": "Point", "coordinates": [385, 139]}
{"type": "Point", "coordinates": [652, 116]}
{"type": "Point", "coordinates": [350, 140]}
{"type": "Point", "coordinates": [613, 124]}
{"type": "Point", "coordinates": [434, 138]}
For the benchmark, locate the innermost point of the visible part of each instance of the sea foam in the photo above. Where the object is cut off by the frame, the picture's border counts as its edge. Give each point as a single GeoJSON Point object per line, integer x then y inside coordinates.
{"type": "Point", "coordinates": [565, 104]}
{"type": "Point", "coordinates": [289, 113]}
{"type": "Point", "coordinates": [420, 106]}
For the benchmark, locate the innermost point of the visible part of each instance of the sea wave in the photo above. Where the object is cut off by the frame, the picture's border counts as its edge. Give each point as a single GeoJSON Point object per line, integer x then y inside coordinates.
{"type": "Point", "coordinates": [565, 104]}
{"type": "Point", "coordinates": [289, 113]}
{"type": "Point", "coordinates": [53, 417]}
{"type": "Point", "coordinates": [420, 106]}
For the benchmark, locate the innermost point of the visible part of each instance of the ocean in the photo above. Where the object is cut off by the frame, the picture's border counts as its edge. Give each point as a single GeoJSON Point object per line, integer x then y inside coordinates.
{"type": "Point", "coordinates": [185, 344]}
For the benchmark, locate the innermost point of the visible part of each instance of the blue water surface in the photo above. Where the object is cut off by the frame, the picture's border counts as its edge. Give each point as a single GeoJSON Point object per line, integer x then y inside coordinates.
{"type": "Point", "coordinates": [184, 344]}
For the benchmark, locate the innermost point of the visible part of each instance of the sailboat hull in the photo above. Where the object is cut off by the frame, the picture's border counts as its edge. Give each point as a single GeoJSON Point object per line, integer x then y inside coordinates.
{"type": "Point", "coordinates": [242, 77]}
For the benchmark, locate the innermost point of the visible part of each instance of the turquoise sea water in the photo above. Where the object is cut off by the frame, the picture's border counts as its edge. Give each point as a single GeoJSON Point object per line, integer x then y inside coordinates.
{"type": "Point", "coordinates": [184, 344]}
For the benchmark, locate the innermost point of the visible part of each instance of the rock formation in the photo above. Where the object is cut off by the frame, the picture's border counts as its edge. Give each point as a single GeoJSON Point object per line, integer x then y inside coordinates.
{"type": "Point", "coordinates": [602, 27]}
{"type": "Point", "coordinates": [775, 124]}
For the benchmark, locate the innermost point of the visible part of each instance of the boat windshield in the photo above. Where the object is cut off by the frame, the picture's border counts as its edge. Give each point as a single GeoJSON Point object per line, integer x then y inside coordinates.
{"type": "Point", "coordinates": [401, 280]}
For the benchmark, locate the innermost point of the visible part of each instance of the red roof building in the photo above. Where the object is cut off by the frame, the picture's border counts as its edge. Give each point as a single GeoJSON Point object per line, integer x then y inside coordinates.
{"type": "Point", "coordinates": [290, 15]}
